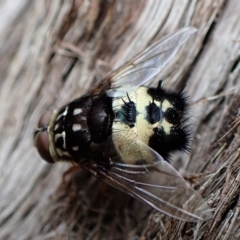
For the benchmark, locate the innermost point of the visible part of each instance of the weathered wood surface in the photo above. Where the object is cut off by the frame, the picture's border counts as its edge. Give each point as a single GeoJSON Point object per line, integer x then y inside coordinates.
{"type": "Point", "coordinates": [49, 52]}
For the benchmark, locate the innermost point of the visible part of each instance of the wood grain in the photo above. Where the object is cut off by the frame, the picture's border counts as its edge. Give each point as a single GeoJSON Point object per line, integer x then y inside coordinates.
{"type": "Point", "coordinates": [49, 52]}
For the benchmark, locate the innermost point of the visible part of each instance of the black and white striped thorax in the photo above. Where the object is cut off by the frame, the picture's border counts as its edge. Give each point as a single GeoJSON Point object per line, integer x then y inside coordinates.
{"type": "Point", "coordinates": [80, 125]}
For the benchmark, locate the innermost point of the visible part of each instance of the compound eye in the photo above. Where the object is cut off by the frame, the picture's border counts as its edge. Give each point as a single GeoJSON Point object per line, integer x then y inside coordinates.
{"type": "Point", "coordinates": [42, 145]}
{"type": "Point", "coordinates": [41, 140]}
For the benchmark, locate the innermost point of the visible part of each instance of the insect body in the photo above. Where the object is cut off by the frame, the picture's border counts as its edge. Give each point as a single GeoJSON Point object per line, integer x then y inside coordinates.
{"type": "Point", "coordinates": [124, 133]}
{"type": "Point", "coordinates": [153, 116]}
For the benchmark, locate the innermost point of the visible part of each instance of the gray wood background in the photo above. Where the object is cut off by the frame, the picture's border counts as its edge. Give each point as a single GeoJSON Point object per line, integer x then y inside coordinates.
{"type": "Point", "coordinates": [49, 51]}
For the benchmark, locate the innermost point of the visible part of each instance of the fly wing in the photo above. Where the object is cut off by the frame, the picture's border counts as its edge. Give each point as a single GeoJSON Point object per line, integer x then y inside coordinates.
{"type": "Point", "coordinates": [146, 64]}
{"type": "Point", "coordinates": [159, 185]}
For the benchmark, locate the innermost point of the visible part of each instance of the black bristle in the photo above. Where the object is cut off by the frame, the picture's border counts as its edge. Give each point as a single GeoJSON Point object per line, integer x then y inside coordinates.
{"type": "Point", "coordinates": [129, 112]}
{"type": "Point", "coordinates": [178, 139]}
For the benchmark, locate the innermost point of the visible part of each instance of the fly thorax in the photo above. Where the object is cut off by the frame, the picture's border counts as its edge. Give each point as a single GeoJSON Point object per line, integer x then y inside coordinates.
{"type": "Point", "coordinates": [69, 131]}
{"type": "Point", "coordinates": [79, 128]}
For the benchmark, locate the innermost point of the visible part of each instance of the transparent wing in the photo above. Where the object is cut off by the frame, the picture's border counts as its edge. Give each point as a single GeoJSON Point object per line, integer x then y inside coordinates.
{"type": "Point", "coordinates": [148, 63]}
{"type": "Point", "coordinates": [159, 185]}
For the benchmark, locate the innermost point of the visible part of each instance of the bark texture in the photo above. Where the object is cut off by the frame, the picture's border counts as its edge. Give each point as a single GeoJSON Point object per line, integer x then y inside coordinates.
{"type": "Point", "coordinates": [49, 54]}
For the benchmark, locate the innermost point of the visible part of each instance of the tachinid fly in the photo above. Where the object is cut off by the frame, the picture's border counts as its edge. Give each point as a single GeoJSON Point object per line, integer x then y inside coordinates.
{"type": "Point", "coordinates": [124, 133]}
